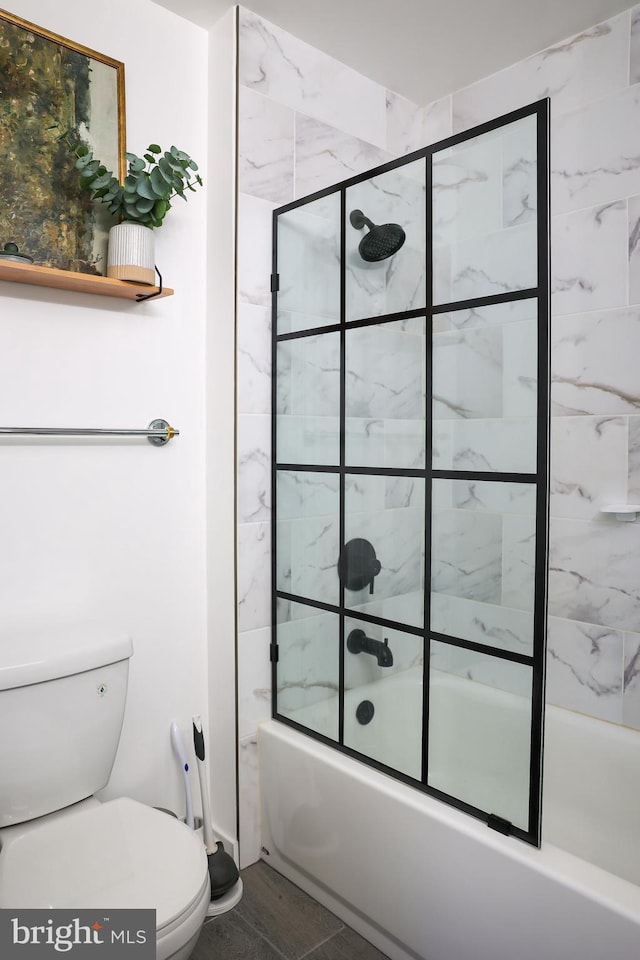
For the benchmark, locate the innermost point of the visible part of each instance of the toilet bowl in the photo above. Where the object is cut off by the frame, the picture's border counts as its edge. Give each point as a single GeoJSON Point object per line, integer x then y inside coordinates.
{"type": "Point", "coordinates": [113, 855]}
{"type": "Point", "coordinates": [62, 695]}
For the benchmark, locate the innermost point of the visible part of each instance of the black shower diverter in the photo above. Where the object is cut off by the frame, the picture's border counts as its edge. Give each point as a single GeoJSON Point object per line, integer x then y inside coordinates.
{"type": "Point", "coordinates": [358, 565]}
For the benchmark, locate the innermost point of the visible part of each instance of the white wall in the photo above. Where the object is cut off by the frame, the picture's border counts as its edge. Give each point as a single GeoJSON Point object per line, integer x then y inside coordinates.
{"type": "Point", "coordinates": [220, 402]}
{"type": "Point", "coordinates": [117, 530]}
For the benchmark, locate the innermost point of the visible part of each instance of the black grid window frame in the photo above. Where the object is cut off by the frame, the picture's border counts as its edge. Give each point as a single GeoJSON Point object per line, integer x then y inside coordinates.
{"type": "Point", "coordinates": [539, 478]}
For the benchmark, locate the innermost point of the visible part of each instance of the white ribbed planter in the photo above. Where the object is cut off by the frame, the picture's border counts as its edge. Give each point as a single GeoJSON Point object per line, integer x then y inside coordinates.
{"type": "Point", "coordinates": [131, 253]}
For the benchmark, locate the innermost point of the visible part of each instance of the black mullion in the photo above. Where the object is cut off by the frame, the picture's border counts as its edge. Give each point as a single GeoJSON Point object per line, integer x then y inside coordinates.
{"type": "Point", "coordinates": [428, 453]}
{"type": "Point", "coordinates": [353, 324]}
{"type": "Point", "coordinates": [488, 127]}
{"type": "Point", "coordinates": [308, 602]}
{"type": "Point", "coordinates": [308, 467]}
{"type": "Point", "coordinates": [456, 306]}
{"type": "Point", "coordinates": [542, 518]}
{"type": "Point", "coordinates": [274, 472]}
{"type": "Point", "coordinates": [452, 306]}
{"type": "Point", "coordinates": [343, 433]}
{"type": "Point", "coordinates": [484, 475]}
{"type": "Point", "coordinates": [399, 625]}
{"type": "Point", "coordinates": [386, 471]}
{"type": "Point", "coordinates": [500, 653]}
{"type": "Point", "coordinates": [309, 332]}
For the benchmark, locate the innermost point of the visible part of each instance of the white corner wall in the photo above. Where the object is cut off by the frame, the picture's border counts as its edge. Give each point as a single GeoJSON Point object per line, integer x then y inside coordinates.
{"type": "Point", "coordinates": [220, 400]}
{"type": "Point", "coordinates": [117, 530]}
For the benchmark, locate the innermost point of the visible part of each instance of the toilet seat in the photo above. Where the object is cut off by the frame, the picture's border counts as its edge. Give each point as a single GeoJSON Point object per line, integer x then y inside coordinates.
{"type": "Point", "coordinates": [118, 854]}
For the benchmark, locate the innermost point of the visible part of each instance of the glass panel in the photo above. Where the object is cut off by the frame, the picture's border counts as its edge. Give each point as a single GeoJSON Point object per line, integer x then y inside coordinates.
{"type": "Point", "coordinates": [383, 703]}
{"type": "Point", "coordinates": [385, 394]}
{"type": "Point", "coordinates": [484, 214]}
{"type": "Point", "coordinates": [483, 540]}
{"type": "Point", "coordinates": [388, 512]}
{"type": "Point", "coordinates": [308, 538]}
{"type": "Point", "coordinates": [485, 388]}
{"type": "Point", "coordinates": [480, 731]}
{"type": "Point", "coordinates": [308, 669]}
{"type": "Point", "coordinates": [308, 425]}
{"type": "Point", "coordinates": [309, 265]}
{"type": "Point", "coordinates": [394, 204]}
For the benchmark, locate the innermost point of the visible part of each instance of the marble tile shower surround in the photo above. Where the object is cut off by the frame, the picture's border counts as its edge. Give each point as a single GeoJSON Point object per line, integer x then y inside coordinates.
{"type": "Point", "coordinates": [289, 104]}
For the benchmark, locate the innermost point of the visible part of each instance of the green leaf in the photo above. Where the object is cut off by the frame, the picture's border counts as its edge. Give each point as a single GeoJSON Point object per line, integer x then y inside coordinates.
{"type": "Point", "coordinates": [165, 169]}
{"type": "Point", "coordinates": [130, 184]}
{"type": "Point", "coordinates": [174, 164]}
{"type": "Point", "coordinates": [90, 170]}
{"type": "Point", "coordinates": [160, 208]}
{"type": "Point", "coordinates": [135, 163]}
{"type": "Point", "coordinates": [144, 206]}
{"type": "Point", "coordinates": [193, 165]}
{"type": "Point", "coordinates": [159, 184]}
{"type": "Point", "coordinates": [154, 148]}
{"type": "Point", "coordinates": [145, 190]}
{"type": "Point", "coordinates": [102, 180]}
{"type": "Point", "coordinates": [82, 150]}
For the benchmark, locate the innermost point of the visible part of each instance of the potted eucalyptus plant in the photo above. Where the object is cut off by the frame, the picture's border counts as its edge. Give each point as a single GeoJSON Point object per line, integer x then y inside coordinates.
{"type": "Point", "coordinates": [141, 201]}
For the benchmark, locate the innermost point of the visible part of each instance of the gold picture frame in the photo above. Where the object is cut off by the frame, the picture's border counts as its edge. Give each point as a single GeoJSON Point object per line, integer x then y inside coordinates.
{"type": "Point", "coordinates": [49, 85]}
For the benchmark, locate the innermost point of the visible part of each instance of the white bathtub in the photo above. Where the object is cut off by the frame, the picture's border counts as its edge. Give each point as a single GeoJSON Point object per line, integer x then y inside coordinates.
{"type": "Point", "coordinates": [422, 880]}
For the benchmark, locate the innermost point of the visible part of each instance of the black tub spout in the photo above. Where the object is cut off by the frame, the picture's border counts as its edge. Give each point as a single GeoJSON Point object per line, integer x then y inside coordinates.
{"type": "Point", "coordinates": [359, 642]}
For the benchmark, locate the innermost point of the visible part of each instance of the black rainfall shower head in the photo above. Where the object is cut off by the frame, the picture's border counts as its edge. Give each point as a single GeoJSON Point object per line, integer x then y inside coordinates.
{"type": "Point", "coordinates": [381, 242]}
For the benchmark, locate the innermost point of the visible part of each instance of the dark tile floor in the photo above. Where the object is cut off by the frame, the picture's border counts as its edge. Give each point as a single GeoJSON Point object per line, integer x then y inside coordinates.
{"type": "Point", "coordinates": [275, 920]}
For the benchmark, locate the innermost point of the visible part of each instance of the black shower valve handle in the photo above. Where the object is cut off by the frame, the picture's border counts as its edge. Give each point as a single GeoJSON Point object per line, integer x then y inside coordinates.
{"type": "Point", "coordinates": [358, 565]}
{"type": "Point", "coordinates": [376, 567]}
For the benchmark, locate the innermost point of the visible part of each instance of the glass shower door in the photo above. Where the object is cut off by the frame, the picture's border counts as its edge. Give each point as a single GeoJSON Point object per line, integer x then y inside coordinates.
{"type": "Point", "coordinates": [410, 467]}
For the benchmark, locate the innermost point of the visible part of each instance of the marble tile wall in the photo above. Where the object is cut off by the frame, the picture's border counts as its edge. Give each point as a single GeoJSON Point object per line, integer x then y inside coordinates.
{"type": "Point", "coordinates": [592, 80]}
{"type": "Point", "coordinates": [305, 122]}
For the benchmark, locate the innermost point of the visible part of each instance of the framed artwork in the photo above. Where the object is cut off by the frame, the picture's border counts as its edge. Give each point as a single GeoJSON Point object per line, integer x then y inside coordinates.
{"type": "Point", "coordinates": [49, 85]}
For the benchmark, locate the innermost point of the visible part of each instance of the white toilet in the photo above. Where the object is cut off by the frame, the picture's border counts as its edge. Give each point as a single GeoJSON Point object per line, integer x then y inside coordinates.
{"type": "Point", "coordinates": [62, 697]}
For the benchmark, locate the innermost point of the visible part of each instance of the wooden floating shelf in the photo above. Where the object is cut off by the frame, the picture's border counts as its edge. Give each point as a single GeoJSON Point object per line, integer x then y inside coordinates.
{"type": "Point", "coordinates": [79, 282]}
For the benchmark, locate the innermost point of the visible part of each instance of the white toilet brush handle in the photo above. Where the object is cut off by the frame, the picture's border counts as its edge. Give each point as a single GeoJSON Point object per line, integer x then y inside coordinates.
{"type": "Point", "coordinates": [178, 748]}
{"type": "Point", "coordinates": [198, 743]}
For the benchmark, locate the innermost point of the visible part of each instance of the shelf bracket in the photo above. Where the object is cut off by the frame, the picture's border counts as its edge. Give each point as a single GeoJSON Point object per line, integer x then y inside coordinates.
{"type": "Point", "coordinates": [149, 296]}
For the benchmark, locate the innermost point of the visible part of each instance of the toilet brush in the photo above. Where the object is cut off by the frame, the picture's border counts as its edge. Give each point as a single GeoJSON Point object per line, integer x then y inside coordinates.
{"type": "Point", "coordinates": [178, 748]}
{"type": "Point", "coordinates": [223, 872]}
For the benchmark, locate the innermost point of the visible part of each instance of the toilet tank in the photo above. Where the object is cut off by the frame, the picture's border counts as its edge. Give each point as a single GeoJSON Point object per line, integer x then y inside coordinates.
{"type": "Point", "coordinates": [62, 697]}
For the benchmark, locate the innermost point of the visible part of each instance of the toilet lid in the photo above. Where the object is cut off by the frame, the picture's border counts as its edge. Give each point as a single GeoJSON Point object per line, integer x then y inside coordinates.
{"type": "Point", "coordinates": [116, 855]}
